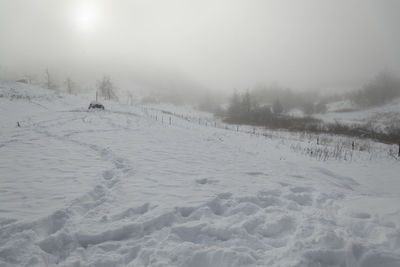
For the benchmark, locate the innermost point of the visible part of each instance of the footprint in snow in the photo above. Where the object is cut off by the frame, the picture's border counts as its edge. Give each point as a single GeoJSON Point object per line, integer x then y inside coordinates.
{"type": "Point", "coordinates": [360, 215]}
{"type": "Point", "coordinates": [254, 173]}
{"type": "Point", "coordinates": [107, 175]}
{"type": "Point", "coordinates": [301, 189]}
{"type": "Point", "coordinates": [204, 181]}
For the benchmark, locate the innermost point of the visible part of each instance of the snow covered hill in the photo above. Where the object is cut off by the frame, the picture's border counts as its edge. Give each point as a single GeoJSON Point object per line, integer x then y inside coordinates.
{"type": "Point", "coordinates": [121, 188]}
{"type": "Point", "coordinates": [379, 118]}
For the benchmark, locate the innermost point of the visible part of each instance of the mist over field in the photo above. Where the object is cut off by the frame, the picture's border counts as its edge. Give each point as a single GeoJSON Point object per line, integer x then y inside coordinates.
{"type": "Point", "coordinates": [194, 46]}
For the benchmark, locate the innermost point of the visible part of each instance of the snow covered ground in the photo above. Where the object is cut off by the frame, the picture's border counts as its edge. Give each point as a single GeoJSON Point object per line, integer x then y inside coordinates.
{"type": "Point", "coordinates": [122, 188]}
{"type": "Point", "coordinates": [379, 118]}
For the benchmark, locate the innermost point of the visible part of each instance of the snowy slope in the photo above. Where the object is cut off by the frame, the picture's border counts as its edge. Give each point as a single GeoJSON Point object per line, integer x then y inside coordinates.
{"type": "Point", "coordinates": [120, 188]}
{"type": "Point", "coordinates": [378, 117]}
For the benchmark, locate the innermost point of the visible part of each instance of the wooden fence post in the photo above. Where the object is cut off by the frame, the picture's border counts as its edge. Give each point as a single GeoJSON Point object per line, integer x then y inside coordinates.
{"type": "Point", "coordinates": [399, 151]}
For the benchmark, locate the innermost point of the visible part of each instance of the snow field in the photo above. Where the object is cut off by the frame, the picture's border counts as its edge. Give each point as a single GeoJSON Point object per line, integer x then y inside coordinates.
{"type": "Point", "coordinates": [378, 118]}
{"type": "Point", "coordinates": [323, 147]}
{"type": "Point", "coordinates": [118, 188]}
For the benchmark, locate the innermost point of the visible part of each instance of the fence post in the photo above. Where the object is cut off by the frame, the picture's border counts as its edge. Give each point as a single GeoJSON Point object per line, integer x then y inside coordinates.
{"type": "Point", "coordinates": [318, 140]}
{"type": "Point", "coordinates": [399, 151]}
{"type": "Point", "coordinates": [352, 145]}
{"type": "Point", "coordinates": [169, 120]}
{"type": "Point", "coordinates": [237, 128]}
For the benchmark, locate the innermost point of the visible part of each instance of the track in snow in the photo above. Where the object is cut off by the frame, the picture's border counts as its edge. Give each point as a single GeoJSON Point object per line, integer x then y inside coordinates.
{"type": "Point", "coordinates": [150, 194]}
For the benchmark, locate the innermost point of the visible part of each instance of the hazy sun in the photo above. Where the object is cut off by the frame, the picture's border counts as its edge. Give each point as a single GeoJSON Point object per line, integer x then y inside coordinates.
{"type": "Point", "coordinates": [86, 17]}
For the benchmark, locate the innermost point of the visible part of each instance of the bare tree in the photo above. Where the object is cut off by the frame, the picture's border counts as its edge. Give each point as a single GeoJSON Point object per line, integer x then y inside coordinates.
{"type": "Point", "coordinates": [70, 84]}
{"type": "Point", "coordinates": [30, 78]}
{"type": "Point", "coordinates": [106, 88]}
{"type": "Point", "coordinates": [277, 107]}
{"type": "Point", "coordinates": [130, 100]}
{"type": "Point", "coordinates": [49, 83]}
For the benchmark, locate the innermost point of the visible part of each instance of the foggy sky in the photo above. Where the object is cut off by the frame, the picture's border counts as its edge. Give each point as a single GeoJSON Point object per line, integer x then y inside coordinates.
{"type": "Point", "coordinates": [215, 44]}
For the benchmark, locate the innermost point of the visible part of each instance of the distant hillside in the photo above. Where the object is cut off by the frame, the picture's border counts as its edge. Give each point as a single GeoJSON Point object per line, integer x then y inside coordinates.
{"type": "Point", "coordinates": [380, 118]}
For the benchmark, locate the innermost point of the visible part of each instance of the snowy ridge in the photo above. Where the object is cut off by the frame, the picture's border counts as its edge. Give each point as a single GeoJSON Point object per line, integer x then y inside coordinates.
{"type": "Point", "coordinates": [119, 188]}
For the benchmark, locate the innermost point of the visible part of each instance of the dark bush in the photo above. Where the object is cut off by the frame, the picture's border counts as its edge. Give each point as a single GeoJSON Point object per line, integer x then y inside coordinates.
{"type": "Point", "coordinates": [277, 107]}
{"type": "Point", "coordinates": [96, 105]}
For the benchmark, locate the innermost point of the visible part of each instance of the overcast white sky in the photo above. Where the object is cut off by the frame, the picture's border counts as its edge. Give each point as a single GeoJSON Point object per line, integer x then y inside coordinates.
{"type": "Point", "coordinates": [220, 44]}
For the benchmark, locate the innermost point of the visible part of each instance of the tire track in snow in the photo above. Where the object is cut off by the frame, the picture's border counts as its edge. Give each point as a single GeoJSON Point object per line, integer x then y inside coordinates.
{"type": "Point", "coordinates": [338, 180]}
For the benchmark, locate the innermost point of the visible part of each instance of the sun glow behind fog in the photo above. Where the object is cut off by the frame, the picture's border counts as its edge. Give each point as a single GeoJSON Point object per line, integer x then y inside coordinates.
{"type": "Point", "coordinates": [86, 17]}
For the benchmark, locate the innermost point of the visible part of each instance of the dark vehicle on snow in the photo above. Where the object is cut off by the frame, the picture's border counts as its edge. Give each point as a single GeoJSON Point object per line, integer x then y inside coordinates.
{"type": "Point", "coordinates": [96, 105]}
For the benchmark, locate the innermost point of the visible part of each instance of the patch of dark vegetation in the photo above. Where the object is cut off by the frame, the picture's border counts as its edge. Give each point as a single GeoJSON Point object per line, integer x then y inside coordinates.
{"type": "Point", "coordinates": [16, 97]}
{"type": "Point", "coordinates": [247, 108]}
{"type": "Point", "coordinates": [167, 112]}
{"type": "Point", "coordinates": [378, 92]}
{"type": "Point", "coordinates": [312, 125]}
{"type": "Point", "coordinates": [241, 111]}
{"type": "Point", "coordinates": [346, 110]}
